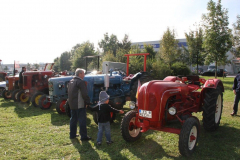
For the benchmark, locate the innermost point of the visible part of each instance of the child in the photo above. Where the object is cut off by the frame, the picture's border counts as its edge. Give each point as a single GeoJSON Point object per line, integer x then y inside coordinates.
{"type": "Point", "coordinates": [104, 109]}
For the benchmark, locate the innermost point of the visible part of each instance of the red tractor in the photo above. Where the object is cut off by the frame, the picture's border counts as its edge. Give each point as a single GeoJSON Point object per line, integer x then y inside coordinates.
{"type": "Point", "coordinates": [35, 85]}
{"type": "Point", "coordinates": [174, 99]}
{"type": "Point", "coordinates": [11, 87]}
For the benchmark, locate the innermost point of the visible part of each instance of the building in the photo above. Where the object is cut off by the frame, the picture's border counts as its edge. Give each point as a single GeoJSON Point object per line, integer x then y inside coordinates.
{"type": "Point", "coordinates": [232, 68]}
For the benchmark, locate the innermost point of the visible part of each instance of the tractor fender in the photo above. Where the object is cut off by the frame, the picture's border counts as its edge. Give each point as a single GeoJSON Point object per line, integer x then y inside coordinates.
{"type": "Point", "coordinates": [213, 83]}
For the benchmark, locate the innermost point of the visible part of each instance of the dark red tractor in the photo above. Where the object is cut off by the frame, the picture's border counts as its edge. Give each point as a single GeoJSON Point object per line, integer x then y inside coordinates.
{"type": "Point", "coordinates": [160, 103]}
{"type": "Point", "coordinates": [35, 85]}
{"type": "Point", "coordinates": [11, 87]}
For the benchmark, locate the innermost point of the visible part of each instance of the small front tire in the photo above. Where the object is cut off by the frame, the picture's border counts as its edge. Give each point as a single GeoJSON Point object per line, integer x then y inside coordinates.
{"type": "Point", "coordinates": [129, 130]}
{"type": "Point", "coordinates": [44, 102]}
{"type": "Point", "coordinates": [188, 137]}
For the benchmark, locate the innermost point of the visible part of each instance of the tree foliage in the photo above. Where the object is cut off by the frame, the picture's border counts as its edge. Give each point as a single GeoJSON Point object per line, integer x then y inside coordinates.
{"type": "Point", "coordinates": [56, 66]}
{"type": "Point", "coordinates": [217, 37]}
{"type": "Point", "coordinates": [64, 61]}
{"type": "Point", "coordinates": [169, 47]}
{"type": "Point", "coordinates": [195, 47]}
{"type": "Point", "coordinates": [84, 49]}
{"type": "Point", "coordinates": [236, 37]}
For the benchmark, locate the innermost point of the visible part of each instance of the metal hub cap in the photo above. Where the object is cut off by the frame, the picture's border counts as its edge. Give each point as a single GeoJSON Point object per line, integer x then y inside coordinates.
{"type": "Point", "coordinates": [134, 132]}
{"type": "Point", "coordinates": [192, 138]}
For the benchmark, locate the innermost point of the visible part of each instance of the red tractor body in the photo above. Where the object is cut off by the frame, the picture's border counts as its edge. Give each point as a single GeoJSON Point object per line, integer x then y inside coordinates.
{"type": "Point", "coordinates": [11, 85]}
{"type": "Point", "coordinates": [171, 99]}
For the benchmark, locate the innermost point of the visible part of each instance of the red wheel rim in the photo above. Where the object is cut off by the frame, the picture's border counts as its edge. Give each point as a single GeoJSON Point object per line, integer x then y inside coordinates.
{"type": "Point", "coordinates": [62, 109]}
{"type": "Point", "coordinates": [45, 105]}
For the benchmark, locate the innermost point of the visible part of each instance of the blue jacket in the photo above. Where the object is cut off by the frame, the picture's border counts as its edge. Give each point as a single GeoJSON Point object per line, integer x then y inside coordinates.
{"type": "Point", "coordinates": [236, 83]}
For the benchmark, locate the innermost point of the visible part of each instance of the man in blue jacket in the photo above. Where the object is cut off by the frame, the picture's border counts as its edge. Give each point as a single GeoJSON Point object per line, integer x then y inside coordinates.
{"type": "Point", "coordinates": [78, 99]}
{"type": "Point", "coordinates": [236, 91]}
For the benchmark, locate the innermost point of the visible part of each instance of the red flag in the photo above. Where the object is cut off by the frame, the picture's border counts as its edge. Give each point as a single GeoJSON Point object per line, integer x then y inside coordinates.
{"type": "Point", "coordinates": [139, 85]}
{"type": "Point", "coordinates": [17, 64]}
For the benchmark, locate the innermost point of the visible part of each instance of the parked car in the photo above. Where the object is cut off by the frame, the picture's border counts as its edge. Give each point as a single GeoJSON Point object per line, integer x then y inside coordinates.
{"type": "Point", "coordinates": [200, 71]}
{"type": "Point", "coordinates": [220, 72]}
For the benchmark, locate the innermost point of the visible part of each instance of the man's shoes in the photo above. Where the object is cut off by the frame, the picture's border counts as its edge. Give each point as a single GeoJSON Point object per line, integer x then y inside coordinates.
{"type": "Point", "coordinates": [74, 137]}
{"type": "Point", "coordinates": [86, 139]}
{"type": "Point", "coordinates": [233, 114]}
{"type": "Point", "coordinates": [109, 142]}
{"type": "Point", "coordinates": [99, 143]}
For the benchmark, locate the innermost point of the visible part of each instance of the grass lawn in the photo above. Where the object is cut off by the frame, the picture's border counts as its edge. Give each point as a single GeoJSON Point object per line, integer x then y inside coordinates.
{"type": "Point", "coordinates": [27, 132]}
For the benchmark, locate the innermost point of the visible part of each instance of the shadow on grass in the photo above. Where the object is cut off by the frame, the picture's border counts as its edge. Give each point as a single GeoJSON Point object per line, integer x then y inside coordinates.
{"type": "Point", "coordinates": [28, 110]}
{"type": "Point", "coordinates": [85, 149]}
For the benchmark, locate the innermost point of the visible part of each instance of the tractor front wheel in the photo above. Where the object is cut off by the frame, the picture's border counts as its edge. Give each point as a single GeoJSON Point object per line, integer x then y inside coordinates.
{"type": "Point", "coordinates": [1, 91]}
{"type": "Point", "coordinates": [188, 137]}
{"type": "Point", "coordinates": [6, 94]}
{"type": "Point", "coordinates": [44, 102]}
{"type": "Point", "coordinates": [60, 106]}
{"type": "Point", "coordinates": [35, 99]}
{"type": "Point", "coordinates": [212, 109]}
{"type": "Point", "coordinates": [22, 97]}
{"type": "Point", "coordinates": [129, 130]}
{"type": "Point", "coordinates": [14, 95]}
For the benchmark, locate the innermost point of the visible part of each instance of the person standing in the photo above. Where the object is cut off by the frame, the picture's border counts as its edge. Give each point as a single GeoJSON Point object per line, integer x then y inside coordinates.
{"type": "Point", "coordinates": [104, 109]}
{"type": "Point", "coordinates": [236, 91]}
{"type": "Point", "coordinates": [78, 99]}
{"type": "Point", "coordinates": [20, 81]}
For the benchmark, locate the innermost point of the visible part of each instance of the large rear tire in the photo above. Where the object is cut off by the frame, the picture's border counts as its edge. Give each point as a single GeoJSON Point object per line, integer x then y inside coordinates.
{"type": "Point", "coordinates": [60, 106]}
{"type": "Point", "coordinates": [22, 96]}
{"type": "Point", "coordinates": [212, 108]}
{"type": "Point", "coordinates": [14, 95]}
{"type": "Point", "coordinates": [35, 99]}
{"type": "Point", "coordinates": [188, 137]}
{"type": "Point", "coordinates": [6, 94]}
{"type": "Point", "coordinates": [129, 130]}
{"type": "Point", "coordinates": [44, 103]}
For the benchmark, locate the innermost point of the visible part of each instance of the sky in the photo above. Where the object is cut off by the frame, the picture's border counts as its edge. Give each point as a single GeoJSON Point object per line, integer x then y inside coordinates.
{"type": "Point", "coordinates": [38, 31]}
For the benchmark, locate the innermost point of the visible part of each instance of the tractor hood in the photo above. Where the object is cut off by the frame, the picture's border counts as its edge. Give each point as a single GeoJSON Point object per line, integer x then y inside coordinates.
{"type": "Point", "coordinates": [153, 95]}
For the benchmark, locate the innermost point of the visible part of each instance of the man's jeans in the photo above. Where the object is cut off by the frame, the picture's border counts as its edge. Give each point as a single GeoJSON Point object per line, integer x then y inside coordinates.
{"type": "Point", "coordinates": [236, 100]}
{"type": "Point", "coordinates": [78, 115]}
{"type": "Point", "coordinates": [101, 128]}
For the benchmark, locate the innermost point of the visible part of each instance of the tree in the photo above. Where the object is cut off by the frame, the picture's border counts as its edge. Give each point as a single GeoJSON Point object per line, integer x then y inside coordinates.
{"type": "Point", "coordinates": [6, 68]}
{"type": "Point", "coordinates": [64, 61]}
{"type": "Point", "coordinates": [109, 44]}
{"type": "Point", "coordinates": [85, 49]}
{"type": "Point", "coordinates": [56, 66]}
{"type": "Point", "coordinates": [195, 47]}
{"type": "Point", "coordinates": [36, 66]}
{"type": "Point", "coordinates": [217, 37]}
{"type": "Point", "coordinates": [236, 37]}
{"type": "Point", "coordinates": [28, 66]}
{"type": "Point", "coordinates": [169, 47]}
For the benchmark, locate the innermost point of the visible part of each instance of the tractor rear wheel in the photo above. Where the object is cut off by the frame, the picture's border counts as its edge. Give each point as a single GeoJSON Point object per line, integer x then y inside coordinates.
{"type": "Point", "coordinates": [60, 106]}
{"type": "Point", "coordinates": [1, 91]}
{"type": "Point", "coordinates": [143, 79]}
{"type": "Point", "coordinates": [44, 102]}
{"type": "Point", "coordinates": [6, 94]}
{"type": "Point", "coordinates": [212, 108]}
{"type": "Point", "coordinates": [67, 109]}
{"type": "Point", "coordinates": [14, 95]}
{"type": "Point", "coordinates": [22, 96]}
{"type": "Point", "coordinates": [188, 136]}
{"type": "Point", "coordinates": [35, 99]}
{"type": "Point", "coordinates": [95, 117]}
{"type": "Point", "coordinates": [129, 130]}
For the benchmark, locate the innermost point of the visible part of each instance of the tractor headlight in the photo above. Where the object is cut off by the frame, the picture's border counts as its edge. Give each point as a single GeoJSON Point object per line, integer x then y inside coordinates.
{"type": "Point", "coordinates": [132, 105]}
{"type": "Point", "coordinates": [172, 110]}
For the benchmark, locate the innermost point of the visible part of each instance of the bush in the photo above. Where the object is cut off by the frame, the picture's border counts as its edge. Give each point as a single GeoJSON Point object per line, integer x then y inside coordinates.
{"type": "Point", "coordinates": [180, 69]}
{"type": "Point", "coordinates": [160, 70]}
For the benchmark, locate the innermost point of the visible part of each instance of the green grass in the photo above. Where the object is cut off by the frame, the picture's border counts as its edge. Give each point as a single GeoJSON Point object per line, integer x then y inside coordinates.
{"type": "Point", "coordinates": [27, 132]}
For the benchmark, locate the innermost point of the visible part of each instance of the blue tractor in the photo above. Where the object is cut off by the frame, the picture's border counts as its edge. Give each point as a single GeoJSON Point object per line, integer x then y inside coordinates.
{"type": "Point", "coordinates": [120, 89]}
